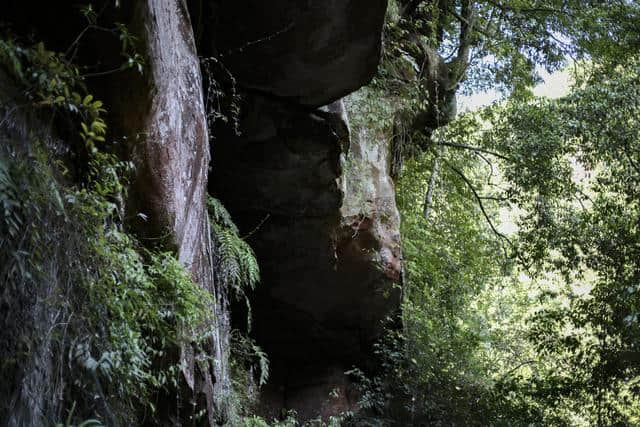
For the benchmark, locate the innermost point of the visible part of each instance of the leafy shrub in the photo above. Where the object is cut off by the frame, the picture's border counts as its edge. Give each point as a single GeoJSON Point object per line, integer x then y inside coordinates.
{"type": "Point", "coordinates": [91, 320]}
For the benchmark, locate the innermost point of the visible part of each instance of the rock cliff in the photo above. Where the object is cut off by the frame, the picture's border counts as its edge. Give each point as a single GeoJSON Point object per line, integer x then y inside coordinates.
{"type": "Point", "coordinates": [310, 53]}
{"type": "Point", "coordinates": [311, 196]}
{"type": "Point", "coordinates": [315, 201]}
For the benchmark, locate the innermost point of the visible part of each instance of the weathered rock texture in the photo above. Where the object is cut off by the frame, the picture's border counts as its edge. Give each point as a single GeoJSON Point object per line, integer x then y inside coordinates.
{"type": "Point", "coordinates": [311, 52]}
{"type": "Point", "coordinates": [327, 242]}
{"type": "Point", "coordinates": [369, 204]}
{"type": "Point", "coordinates": [161, 114]}
{"type": "Point", "coordinates": [321, 219]}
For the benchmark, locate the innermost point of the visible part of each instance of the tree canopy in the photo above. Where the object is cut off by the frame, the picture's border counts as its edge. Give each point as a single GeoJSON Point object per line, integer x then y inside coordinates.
{"type": "Point", "coordinates": [520, 220]}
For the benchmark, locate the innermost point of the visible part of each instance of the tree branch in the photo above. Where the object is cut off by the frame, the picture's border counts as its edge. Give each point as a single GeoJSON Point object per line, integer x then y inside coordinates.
{"type": "Point", "coordinates": [495, 198]}
{"type": "Point", "coordinates": [485, 214]}
{"type": "Point", "coordinates": [475, 149]}
{"type": "Point", "coordinates": [505, 8]}
{"type": "Point", "coordinates": [479, 200]}
{"type": "Point", "coordinates": [520, 365]}
{"type": "Point", "coordinates": [463, 20]}
{"type": "Point", "coordinates": [409, 8]}
{"type": "Point", "coordinates": [488, 162]}
{"type": "Point", "coordinates": [428, 200]}
{"type": "Point", "coordinates": [631, 162]}
{"type": "Point", "coordinates": [466, 32]}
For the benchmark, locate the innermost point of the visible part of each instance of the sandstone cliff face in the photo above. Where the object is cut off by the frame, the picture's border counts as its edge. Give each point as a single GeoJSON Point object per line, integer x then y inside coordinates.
{"type": "Point", "coordinates": [159, 118]}
{"type": "Point", "coordinates": [312, 196]}
{"type": "Point", "coordinates": [316, 202]}
{"type": "Point", "coordinates": [323, 223]}
{"type": "Point", "coordinates": [168, 141]}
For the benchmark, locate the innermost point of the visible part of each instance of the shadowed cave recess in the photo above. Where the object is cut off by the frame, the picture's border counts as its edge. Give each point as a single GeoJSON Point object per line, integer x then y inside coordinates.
{"type": "Point", "coordinates": [326, 235]}
{"type": "Point", "coordinates": [312, 197]}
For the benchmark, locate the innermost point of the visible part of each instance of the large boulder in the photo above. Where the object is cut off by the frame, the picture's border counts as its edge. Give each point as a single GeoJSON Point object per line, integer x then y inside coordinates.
{"type": "Point", "coordinates": [311, 52]}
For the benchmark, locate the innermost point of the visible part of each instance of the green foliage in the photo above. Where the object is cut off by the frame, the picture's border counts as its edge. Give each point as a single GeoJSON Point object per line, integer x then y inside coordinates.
{"type": "Point", "coordinates": [115, 313]}
{"type": "Point", "coordinates": [148, 303]}
{"type": "Point", "coordinates": [580, 194]}
{"type": "Point", "coordinates": [290, 420]}
{"type": "Point", "coordinates": [87, 423]}
{"type": "Point", "coordinates": [434, 49]}
{"type": "Point", "coordinates": [510, 38]}
{"type": "Point", "coordinates": [125, 309]}
{"type": "Point", "coordinates": [51, 81]}
{"type": "Point", "coordinates": [128, 42]}
{"type": "Point", "coordinates": [255, 421]}
{"type": "Point", "coordinates": [237, 269]}
{"type": "Point", "coordinates": [480, 336]}
{"type": "Point", "coordinates": [249, 367]}
{"type": "Point", "coordinates": [245, 352]}
{"type": "Point", "coordinates": [570, 167]}
{"type": "Point", "coordinates": [442, 367]}
{"type": "Point", "coordinates": [235, 261]}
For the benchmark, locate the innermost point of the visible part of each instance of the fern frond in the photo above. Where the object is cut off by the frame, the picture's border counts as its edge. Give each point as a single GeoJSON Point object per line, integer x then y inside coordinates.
{"type": "Point", "coordinates": [236, 264]}
{"type": "Point", "coordinates": [219, 214]}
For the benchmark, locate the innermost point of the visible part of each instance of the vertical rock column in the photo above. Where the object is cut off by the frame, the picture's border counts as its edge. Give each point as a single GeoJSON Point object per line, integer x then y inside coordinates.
{"type": "Point", "coordinates": [328, 245]}
{"type": "Point", "coordinates": [162, 116]}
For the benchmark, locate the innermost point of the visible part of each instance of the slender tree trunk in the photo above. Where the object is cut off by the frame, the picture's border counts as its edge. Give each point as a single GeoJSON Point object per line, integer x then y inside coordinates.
{"type": "Point", "coordinates": [433, 181]}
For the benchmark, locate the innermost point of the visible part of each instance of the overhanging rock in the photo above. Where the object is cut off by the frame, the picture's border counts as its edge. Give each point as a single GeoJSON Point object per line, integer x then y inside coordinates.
{"type": "Point", "coordinates": [321, 219]}
{"type": "Point", "coordinates": [326, 238]}
{"type": "Point", "coordinates": [311, 52]}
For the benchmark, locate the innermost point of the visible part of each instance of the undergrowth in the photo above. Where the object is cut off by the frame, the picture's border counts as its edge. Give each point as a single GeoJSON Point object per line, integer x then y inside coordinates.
{"type": "Point", "coordinates": [237, 271]}
{"type": "Point", "coordinates": [91, 320]}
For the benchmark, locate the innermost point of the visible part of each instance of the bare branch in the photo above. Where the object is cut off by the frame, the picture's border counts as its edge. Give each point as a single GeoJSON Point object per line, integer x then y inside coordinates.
{"type": "Point", "coordinates": [474, 149]}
